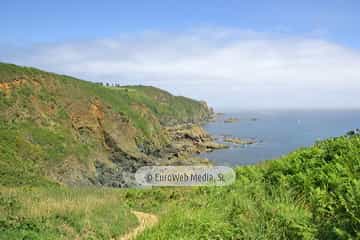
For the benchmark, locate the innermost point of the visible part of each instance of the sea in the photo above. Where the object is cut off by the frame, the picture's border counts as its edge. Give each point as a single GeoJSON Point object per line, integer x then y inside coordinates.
{"type": "Point", "coordinates": [276, 132]}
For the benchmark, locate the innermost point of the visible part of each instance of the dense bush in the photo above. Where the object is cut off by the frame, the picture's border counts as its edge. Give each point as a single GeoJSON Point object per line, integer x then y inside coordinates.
{"type": "Point", "coordinates": [312, 193]}
{"type": "Point", "coordinates": [328, 176]}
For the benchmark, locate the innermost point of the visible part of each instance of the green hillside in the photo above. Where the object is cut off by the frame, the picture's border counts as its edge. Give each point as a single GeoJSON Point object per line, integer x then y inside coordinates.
{"type": "Point", "coordinates": [58, 128]}
{"type": "Point", "coordinates": [312, 193]}
{"type": "Point", "coordinates": [56, 131]}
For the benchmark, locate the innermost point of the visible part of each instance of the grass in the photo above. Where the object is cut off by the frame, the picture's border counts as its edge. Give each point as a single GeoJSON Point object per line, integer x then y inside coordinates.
{"type": "Point", "coordinates": [312, 193]}
{"type": "Point", "coordinates": [28, 152]}
{"type": "Point", "coordinates": [63, 213]}
{"type": "Point", "coordinates": [159, 103]}
{"type": "Point", "coordinates": [38, 133]}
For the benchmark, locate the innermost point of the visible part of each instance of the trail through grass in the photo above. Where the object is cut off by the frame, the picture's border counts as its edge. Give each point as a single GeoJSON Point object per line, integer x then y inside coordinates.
{"type": "Point", "coordinates": [146, 220]}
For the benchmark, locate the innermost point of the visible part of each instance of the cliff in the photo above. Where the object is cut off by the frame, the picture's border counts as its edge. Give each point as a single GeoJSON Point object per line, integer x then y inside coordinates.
{"type": "Point", "coordinates": [56, 128]}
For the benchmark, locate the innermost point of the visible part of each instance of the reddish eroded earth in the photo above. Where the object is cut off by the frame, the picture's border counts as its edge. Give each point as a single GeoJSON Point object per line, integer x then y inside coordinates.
{"type": "Point", "coordinates": [7, 86]}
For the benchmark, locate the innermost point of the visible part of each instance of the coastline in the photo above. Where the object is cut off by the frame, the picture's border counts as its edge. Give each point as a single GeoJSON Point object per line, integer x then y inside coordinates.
{"type": "Point", "coordinates": [186, 141]}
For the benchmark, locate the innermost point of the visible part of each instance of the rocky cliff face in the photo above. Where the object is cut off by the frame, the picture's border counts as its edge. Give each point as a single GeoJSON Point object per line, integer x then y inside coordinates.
{"type": "Point", "coordinates": [57, 128]}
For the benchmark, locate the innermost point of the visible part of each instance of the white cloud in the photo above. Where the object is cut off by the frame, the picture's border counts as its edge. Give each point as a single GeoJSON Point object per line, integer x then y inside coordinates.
{"type": "Point", "coordinates": [228, 68]}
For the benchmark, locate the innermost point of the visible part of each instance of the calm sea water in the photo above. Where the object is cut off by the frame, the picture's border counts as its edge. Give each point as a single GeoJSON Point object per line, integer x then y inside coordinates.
{"type": "Point", "coordinates": [277, 132]}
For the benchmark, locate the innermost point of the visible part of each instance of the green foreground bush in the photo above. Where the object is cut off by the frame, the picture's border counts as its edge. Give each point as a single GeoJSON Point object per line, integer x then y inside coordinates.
{"type": "Point", "coordinates": [312, 193]}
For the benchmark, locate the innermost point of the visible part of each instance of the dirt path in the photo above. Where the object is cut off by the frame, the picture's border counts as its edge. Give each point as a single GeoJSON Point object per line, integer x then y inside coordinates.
{"type": "Point", "coordinates": [146, 220]}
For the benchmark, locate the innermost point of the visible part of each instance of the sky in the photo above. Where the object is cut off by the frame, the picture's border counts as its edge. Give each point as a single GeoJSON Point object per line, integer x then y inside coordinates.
{"type": "Point", "coordinates": [232, 54]}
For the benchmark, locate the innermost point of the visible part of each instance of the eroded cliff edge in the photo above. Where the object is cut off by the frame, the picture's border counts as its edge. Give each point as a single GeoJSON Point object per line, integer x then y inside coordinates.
{"type": "Point", "coordinates": [60, 129]}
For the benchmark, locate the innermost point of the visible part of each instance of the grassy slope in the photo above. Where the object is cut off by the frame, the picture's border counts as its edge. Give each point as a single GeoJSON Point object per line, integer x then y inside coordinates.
{"type": "Point", "coordinates": [62, 213]}
{"type": "Point", "coordinates": [310, 193]}
{"type": "Point", "coordinates": [37, 132]}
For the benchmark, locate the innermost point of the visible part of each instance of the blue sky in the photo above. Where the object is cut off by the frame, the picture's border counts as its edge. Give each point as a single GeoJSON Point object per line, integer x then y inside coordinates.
{"type": "Point", "coordinates": [25, 22]}
{"type": "Point", "coordinates": [281, 54]}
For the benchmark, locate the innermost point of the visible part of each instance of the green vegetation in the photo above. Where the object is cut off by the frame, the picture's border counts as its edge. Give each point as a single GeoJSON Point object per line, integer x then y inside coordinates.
{"type": "Point", "coordinates": [158, 102]}
{"type": "Point", "coordinates": [50, 124]}
{"type": "Point", "coordinates": [62, 213]}
{"type": "Point", "coordinates": [9, 72]}
{"type": "Point", "coordinates": [312, 193]}
{"type": "Point", "coordinates": [28, 152]}
{"type": "Point", "coordinates": [171, 109]}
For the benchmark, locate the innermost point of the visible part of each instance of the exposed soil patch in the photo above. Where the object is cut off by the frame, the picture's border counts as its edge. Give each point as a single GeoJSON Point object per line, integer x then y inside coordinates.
{"type": "Point", "coordinates": [146, 220]}
{"type": "Point", "coordinates": [7, 86]}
